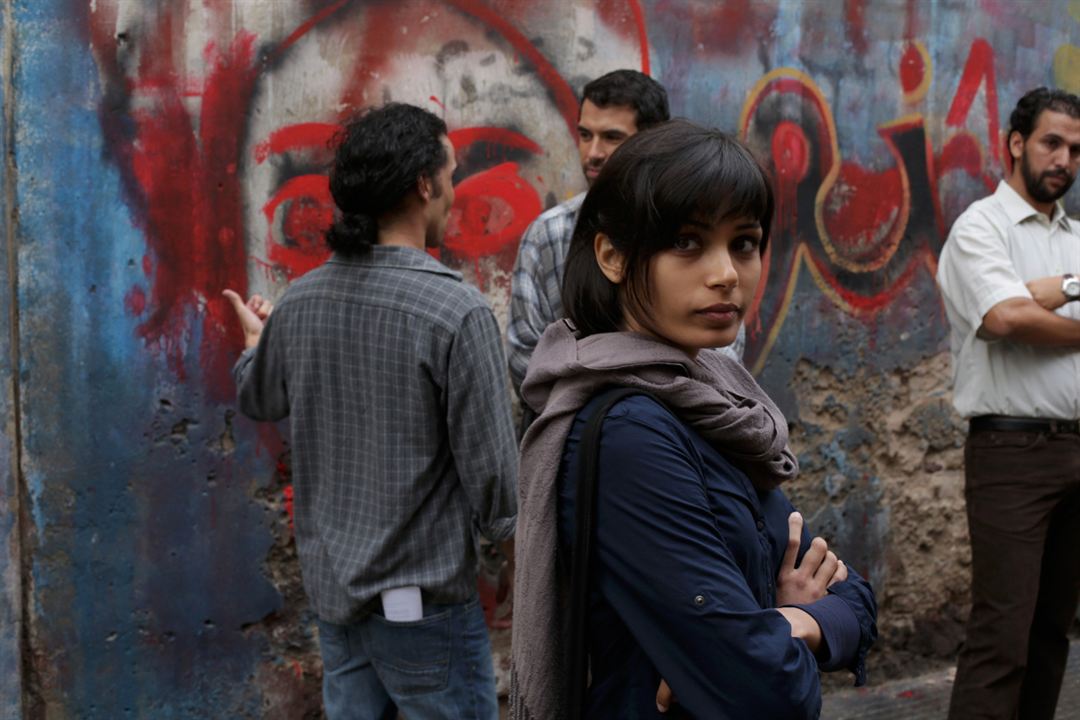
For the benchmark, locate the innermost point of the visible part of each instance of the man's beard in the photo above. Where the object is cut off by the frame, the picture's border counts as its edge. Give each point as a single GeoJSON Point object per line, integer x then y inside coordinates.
{"type": "Point", "coordinates": [1036, 187]}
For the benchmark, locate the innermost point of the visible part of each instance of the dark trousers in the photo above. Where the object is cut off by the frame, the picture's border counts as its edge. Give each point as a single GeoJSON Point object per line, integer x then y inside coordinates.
{"type": "Point", "coordinates": [1023, 507]}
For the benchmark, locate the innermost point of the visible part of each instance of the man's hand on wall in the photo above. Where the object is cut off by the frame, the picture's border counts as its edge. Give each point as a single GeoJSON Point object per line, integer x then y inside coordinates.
{"type": "Point", "coordinates": [1047, 292]}
{"type": "Point", "coordinates": [252, 315]}
{"type": "Point", "coordinates": [819, 568]}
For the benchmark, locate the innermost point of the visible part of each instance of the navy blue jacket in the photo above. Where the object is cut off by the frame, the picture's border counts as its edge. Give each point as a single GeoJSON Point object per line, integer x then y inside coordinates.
{"type": "Point", "coordinates": [683, 583]}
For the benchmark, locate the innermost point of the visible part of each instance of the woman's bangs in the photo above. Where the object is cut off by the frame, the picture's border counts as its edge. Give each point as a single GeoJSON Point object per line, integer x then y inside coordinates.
{"type": "Point", "coordinates": [710, 187]}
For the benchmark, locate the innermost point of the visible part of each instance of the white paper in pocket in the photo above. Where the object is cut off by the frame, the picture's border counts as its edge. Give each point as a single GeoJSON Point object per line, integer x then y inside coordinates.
{"type": "Point", "coordinates": [402, 604]}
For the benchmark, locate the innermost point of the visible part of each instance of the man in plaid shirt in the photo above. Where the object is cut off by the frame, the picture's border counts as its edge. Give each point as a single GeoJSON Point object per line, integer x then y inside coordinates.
{"type": "Point", "coordinates": [391, 371]}
{"type": "Point", "coordinates": [613, 107]}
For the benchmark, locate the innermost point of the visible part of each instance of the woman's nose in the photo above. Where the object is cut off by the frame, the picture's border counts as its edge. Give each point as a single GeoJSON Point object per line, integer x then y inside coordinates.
{"type": "Point", "coordinates": [721, 272]}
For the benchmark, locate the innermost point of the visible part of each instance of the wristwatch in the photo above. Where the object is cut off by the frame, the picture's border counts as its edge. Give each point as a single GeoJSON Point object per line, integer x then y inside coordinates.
{"type": "Point", "coordinates": [1070, 287]}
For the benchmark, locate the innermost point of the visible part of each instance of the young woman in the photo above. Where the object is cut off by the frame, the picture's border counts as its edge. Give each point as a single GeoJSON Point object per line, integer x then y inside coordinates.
{"type": "Point", "coordinates": [700, 572]}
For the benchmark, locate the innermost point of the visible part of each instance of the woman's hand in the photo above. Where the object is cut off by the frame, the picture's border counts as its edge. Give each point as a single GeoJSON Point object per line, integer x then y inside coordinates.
{"type": "Point", "coordinates": [664, 696]}
{"type": "Point", "coordinates": [819, 568]}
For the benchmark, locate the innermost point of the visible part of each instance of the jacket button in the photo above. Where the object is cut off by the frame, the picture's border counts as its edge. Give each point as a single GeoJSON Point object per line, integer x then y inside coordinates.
{"type": "Point", "coordinates": [699, 600]}
{"type": "Point", "coordinates": [760, 524]}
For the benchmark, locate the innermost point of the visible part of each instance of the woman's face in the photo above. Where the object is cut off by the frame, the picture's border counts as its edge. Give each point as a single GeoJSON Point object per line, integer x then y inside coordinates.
{"type": "Point", "coordinates": [700, 289]}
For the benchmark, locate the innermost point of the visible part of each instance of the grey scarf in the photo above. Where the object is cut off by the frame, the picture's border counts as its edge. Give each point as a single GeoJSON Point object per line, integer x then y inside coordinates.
{"type": "Point", "coordinates": [713, 394]}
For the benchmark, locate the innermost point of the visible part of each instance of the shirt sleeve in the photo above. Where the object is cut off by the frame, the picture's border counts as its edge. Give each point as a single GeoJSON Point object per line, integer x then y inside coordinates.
{"type": "Point", "coordinates": [668, 573]}
{"type": "Point", "coordinates": [530, 307]}
{"type": "Point", "coordinates": [975, 272]}
{"type": "Point", "coordinates": [480, 426]}
{"type": "Point", "coordinates": [259, 373]}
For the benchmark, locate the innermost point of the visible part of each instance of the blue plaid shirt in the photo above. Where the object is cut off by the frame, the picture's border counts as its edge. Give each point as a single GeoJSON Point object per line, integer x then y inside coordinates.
{"type": "Point", "coordinates": [392, 373]}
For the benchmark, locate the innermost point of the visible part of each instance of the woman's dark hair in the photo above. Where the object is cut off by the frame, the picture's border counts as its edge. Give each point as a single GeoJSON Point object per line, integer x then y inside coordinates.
{"type": "Point", "coordinates": [381, 154]}
{"type": "Point", "coordinates": [650, 187]}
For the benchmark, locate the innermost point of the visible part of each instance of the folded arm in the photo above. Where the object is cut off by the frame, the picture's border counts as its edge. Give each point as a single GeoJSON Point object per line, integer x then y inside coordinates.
{"type": "Point", "coordinates": [670, 576]}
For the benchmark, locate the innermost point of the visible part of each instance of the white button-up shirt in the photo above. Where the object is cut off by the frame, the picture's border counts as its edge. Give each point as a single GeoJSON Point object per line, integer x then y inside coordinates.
{"type": "Point", "coordinates": [996, 246]}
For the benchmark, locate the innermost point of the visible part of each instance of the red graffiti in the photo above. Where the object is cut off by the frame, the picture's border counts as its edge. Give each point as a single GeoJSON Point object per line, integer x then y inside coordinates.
{"type": "Point", "coordinates": [978, 69]}
{"type": "Point", "coordinates": [287, 499]}
{"type": "Point", "coordinates": [292, 137]}
{"type": "Point", "coordinates": [180, 171]}
{"type": "Point", "coordinates": [855, 14]}
{"type": "Point", "coordinates": [490, 212]}
{"type": "Point", "coordinates": [861, 211]}
{"type": "Point", "coordinates": [187, 185]}
{"type": "Point", "coordinates": [627, 19]}
{"type": "Point", "coordinates": [135, 301]}
{"type": "Point", "coordinates": [721, 27]}
{"type": "Point", "coordinates": [912, 69]}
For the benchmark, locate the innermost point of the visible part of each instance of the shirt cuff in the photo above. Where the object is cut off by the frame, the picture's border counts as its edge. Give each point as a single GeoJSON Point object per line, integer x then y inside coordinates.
{"type": "Point", "coordinates": [242, 361]}
{"type": "Point", "coordinates": [839, 631]}
{"type": "Point", "coordinates": [501, 529]}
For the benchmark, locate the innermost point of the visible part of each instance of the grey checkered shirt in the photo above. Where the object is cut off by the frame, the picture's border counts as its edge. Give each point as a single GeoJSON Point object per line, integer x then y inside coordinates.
{"type": "Point", "coordinates": [536, 286]}
{"type": "Point", "coordinates": [392, 373]}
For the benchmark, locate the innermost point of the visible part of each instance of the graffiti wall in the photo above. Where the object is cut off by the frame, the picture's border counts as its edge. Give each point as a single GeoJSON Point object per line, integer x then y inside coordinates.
{"type": "Point", "coordinates": [162, 151]}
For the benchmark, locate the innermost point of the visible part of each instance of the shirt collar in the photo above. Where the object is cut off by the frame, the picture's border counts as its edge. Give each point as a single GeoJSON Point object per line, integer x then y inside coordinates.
{"type": "Point", "coordinates": [1017, 209]}
{"type": "Point", "coordinates": [395, 256]}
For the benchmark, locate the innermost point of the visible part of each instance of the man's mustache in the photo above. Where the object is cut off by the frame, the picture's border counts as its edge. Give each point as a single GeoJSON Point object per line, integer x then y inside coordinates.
{"type": "Point", "coordinates": [1063, 174]}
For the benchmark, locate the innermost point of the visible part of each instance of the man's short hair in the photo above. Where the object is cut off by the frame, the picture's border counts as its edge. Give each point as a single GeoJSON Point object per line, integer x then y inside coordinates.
{"type": "Point", "coordinates": [381, 154]}
{"type": "Point", "coordinates": [632, 89]}
{"type": "Point", "coordinates": [1026, 114]}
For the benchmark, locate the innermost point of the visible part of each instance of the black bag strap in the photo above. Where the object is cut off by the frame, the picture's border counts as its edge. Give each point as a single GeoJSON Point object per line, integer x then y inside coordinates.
{"type": "Point", "coordinates": [577, 665]}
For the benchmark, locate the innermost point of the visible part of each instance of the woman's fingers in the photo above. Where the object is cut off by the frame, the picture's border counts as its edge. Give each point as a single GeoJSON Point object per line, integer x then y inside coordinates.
{"type": "Point", "coordinates": [815, 555]}
{"type": "Point", "coordinates": [664, 697]}
{"type": "Point", "coordinates": [827, 568]}
{"type": "Point", "coordinates": [795, 524]}
{"type": "Point", "coordinates": [841, 573]}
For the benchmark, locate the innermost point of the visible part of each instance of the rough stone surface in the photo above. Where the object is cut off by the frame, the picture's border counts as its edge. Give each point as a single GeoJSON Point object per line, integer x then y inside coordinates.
{"type": "Point", "coordinates": [899, 429]}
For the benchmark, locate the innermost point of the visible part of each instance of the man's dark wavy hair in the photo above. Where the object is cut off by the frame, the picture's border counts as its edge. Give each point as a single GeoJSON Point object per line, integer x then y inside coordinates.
{"type": "Point", "coordinates": [630, 88]}
{"type": "Point", "coordinates": [654, 183]}
{"type": "Point", "coordinates": [1026, 113]}
{"type": "Point", "coordinates": [381, 154]}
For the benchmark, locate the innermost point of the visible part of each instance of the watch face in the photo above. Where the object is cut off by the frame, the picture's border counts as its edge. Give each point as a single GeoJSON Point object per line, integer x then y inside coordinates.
{"type": "Point", "coordinates": [1071, 288]}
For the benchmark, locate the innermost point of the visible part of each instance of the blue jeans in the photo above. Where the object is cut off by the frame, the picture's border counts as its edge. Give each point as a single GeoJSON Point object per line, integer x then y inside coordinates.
{"type": "Point", "coordinates": [437, 667]}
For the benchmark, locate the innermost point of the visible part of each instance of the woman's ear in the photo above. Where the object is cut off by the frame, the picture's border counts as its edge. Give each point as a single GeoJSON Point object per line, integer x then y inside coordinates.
{"type": "Point", "coordinates": [610, 260]}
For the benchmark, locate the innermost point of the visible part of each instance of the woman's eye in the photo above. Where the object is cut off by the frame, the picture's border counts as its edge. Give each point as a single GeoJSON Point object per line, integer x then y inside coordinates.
{"type": "Point", "coordinates": [685, 242]}
{"type": "Point", "coordinates": [746, 245]}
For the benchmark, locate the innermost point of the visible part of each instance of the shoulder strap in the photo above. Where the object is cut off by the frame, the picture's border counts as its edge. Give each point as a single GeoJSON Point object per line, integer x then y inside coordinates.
{"type": "Point", "coordinates": [577, 665]}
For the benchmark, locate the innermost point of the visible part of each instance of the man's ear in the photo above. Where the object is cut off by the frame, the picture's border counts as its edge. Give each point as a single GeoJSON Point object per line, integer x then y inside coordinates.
{"type": "Point", "coordinates": [1016, 145]}
{"type": "Point", "coordinates": [610, 260]}
{"type": "Point", "coordinates": [425, 187]}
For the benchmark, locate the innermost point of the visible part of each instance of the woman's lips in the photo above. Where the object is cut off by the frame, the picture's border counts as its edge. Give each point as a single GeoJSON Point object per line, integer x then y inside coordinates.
{"type": "Point", "coordinates": [723, 313]}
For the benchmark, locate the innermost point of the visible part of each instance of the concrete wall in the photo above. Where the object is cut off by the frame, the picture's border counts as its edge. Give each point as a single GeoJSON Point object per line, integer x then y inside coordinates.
{"type": "Point", "coordinates": [166, 149]}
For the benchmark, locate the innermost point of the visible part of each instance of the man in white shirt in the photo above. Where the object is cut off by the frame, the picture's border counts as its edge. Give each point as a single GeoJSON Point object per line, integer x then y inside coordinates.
{"type": "Point", "coordinates": [1006, 278]}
